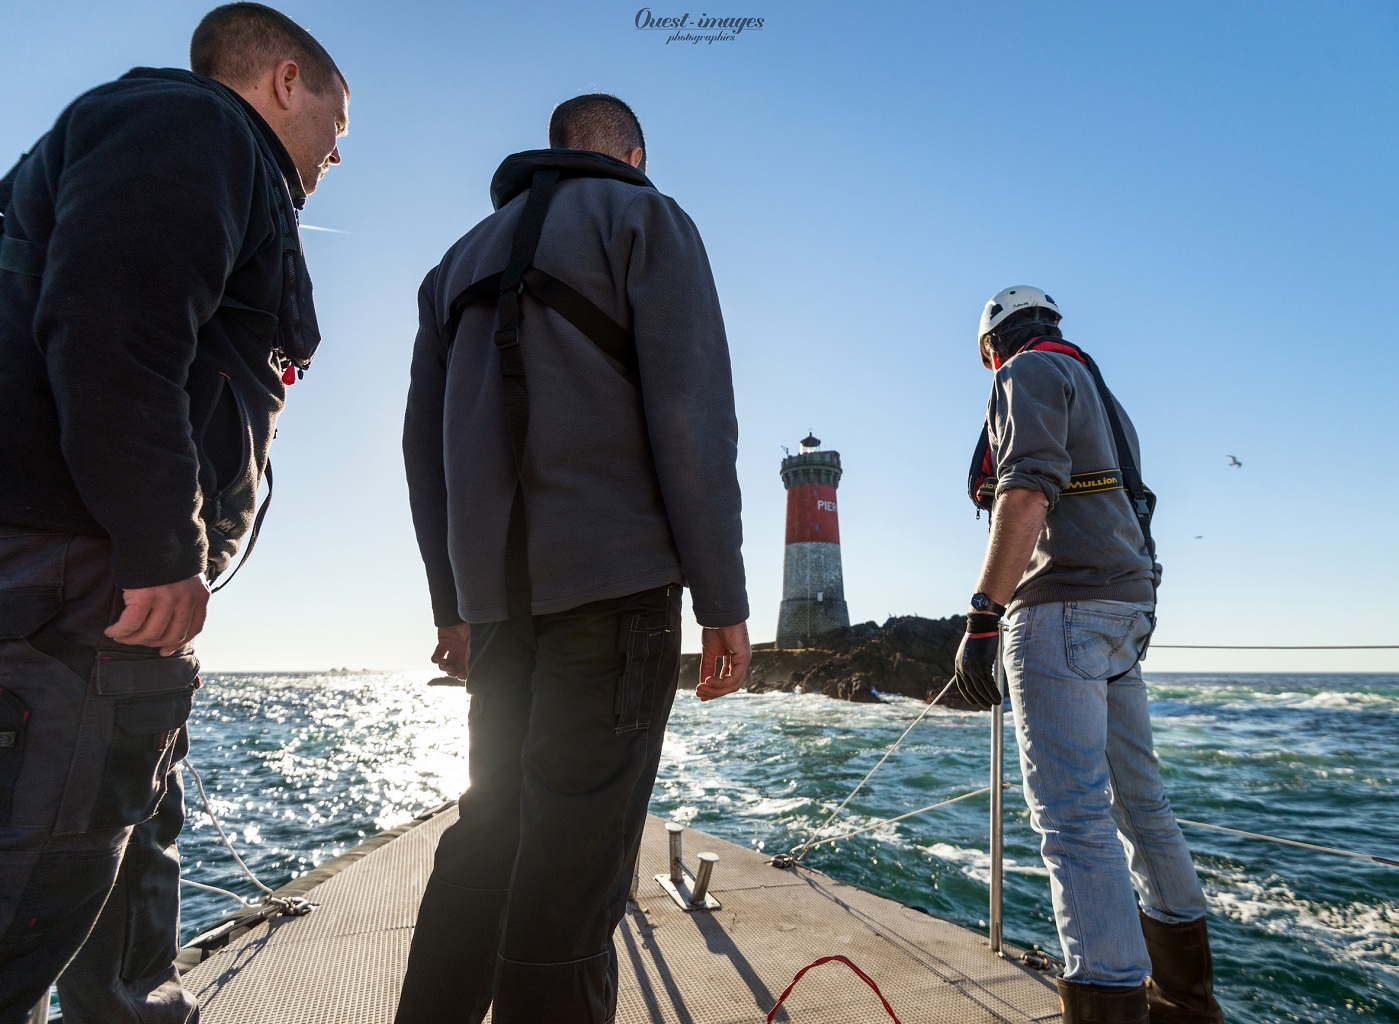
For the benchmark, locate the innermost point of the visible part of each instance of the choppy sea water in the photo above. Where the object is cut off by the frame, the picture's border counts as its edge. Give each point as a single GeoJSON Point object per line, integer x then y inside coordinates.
{"type": "Point", "coordinates": [301, 767]}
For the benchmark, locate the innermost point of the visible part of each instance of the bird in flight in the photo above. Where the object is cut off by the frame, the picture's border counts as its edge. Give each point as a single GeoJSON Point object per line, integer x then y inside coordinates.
{"type": "Point", "coordinates": [1233, 461]}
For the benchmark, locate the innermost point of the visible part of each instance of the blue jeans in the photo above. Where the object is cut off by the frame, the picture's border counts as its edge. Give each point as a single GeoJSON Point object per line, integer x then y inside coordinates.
{"type": "Point", "coordinates": [1092, 785]}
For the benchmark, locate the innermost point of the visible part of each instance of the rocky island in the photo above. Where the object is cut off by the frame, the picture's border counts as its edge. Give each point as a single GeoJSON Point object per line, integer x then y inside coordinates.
{"type": "Point", "coordinates": [908, 655]}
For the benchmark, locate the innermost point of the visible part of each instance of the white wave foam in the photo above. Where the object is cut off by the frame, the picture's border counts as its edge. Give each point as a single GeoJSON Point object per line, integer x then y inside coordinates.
{"type": "Point", "coordinates": [976, 864]}
{"type": "Point", "coordinates": [1366, 933]}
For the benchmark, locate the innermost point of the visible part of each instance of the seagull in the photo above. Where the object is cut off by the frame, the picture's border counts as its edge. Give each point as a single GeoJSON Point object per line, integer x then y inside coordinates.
{"type": "Point", "coordinates": [1233, 461]}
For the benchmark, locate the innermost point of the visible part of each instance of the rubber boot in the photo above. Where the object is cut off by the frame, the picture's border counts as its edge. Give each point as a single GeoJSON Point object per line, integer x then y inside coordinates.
{"type": "Point", "coordinates": [1181, 987]}
{"type": "Point", "coordinates": [1094, 1004]}
{"type": "Point", "coordinates": [452, 961]}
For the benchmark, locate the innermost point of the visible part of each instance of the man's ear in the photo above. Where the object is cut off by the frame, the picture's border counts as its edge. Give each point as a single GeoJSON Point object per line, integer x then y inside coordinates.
{"type": "Point", "coordinates": [286, 80]}
{"type": "Point", "coordinates": [637, 157]}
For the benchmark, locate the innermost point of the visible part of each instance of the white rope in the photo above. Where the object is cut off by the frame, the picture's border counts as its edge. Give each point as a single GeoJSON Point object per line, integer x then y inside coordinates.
{"type": "Point", "coordinates": [199, 784]}
{"type": "Point", "coordinates": [901, 817]}
{"type": "Point", "coordinates": [799, 852]}
{"type": "Point", "coordinates": [221, 892]}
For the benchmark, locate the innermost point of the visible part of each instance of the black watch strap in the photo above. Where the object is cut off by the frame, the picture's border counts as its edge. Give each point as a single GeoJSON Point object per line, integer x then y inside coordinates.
{"type": "Point", "coordinates": [982, 603]}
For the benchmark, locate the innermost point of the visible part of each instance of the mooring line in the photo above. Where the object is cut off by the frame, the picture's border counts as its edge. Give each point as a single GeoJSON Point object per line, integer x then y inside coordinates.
{"type": "Point", "coordinates": [204, 797]}
{"type": "Point", "coordinates": [901, 817]}
{"type": "Point", "coordinates": [798, 852]}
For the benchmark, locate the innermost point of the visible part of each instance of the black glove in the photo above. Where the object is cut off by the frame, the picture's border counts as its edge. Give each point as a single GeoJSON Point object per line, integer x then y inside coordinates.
{"type": "Point", "coordinates": [976, 660]}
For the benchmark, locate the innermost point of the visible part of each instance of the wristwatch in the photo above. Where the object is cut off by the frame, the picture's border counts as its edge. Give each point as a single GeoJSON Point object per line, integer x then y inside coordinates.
{"type": "Point", "coordinates": [982, 603]}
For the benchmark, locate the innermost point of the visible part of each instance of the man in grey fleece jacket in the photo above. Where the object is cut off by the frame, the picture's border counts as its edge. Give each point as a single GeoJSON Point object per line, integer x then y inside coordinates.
{"type": "Point", "coordinates": [628, 491]}
{"type": "Point", "coordinates": [1072, 568]}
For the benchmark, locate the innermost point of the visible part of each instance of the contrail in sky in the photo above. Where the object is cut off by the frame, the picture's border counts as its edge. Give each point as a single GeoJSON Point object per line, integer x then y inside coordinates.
{"type": "Point", "coordinates": [330, 231]}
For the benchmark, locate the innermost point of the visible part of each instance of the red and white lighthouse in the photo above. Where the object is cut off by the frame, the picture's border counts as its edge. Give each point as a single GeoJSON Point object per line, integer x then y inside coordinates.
{"type": "Point", "coordinates": [813, 585]}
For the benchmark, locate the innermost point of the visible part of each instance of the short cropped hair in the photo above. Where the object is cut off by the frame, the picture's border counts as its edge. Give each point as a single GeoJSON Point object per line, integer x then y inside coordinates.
{"type": "Point", "coordinates": [598, 122]}
{"type": "Point", "coordinates": [237, 42]}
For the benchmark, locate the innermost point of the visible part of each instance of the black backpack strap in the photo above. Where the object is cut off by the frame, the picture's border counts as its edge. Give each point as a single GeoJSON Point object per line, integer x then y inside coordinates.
{"type": "Point", "coordinates": [512, 371]}
{"type": "Point", "coordinates": [1143, 501]}
{"type": "Point", "coordinates": [17, 255]}
{"type": "Point", "coordinates": [615, 341]}
{"type": "Point", "coordinates": [21, 257]}
{"type": "Point", "coordinates": [252, 537]}
{"type": "Point", "coordinates": [505, 290]}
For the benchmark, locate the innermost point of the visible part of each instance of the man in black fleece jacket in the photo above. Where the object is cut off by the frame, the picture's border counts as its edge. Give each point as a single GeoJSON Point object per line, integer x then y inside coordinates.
{"type": "Point", "coordinates": [154, 306]}
{"type": "Point", "coordinates": [557, 570]}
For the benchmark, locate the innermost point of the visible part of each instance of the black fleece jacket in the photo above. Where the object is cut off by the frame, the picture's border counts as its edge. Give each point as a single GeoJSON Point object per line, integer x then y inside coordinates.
{"type": "Point", "coordinates": [141, 376]}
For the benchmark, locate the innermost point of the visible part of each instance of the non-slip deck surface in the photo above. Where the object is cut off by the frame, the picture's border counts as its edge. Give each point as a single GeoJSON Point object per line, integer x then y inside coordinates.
{"type": "Point", "coordinates": [343, 964]}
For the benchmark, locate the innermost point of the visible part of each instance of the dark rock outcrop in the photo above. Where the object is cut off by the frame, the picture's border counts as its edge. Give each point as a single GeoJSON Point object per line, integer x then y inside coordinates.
{"type": "Point", "coordinates": [908, 655]}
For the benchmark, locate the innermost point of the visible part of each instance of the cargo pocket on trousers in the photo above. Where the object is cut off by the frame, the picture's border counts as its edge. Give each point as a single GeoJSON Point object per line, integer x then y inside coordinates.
{"type": "Point", "coordinates": [153, 700]}
{"type": "Point", "coordinates": [144, 731]}
{"type": "Point", "coordinates": [1094, 638]}
{"type": "Point", "coordinates": [14, 722]}
{"type": "Point", "coordinates": [644, 637]}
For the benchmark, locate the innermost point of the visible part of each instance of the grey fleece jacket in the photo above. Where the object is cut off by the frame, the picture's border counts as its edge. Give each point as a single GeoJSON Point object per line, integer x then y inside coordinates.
{"type": "Point", "coordinates": [629, 484]}
{"type": "Point", "coordinates": [1046, 425]}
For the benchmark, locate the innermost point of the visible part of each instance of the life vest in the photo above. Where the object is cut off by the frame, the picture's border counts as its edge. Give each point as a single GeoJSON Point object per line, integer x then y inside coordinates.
{"type": "Point", "coordinates": [981, 479]}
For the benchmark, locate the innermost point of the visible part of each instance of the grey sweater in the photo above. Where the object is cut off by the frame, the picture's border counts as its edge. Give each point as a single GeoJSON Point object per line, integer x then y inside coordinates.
{"type": "Point", "coordinates": [629, 484]}
{"type": "Point", "coordinates": [1046, 425]}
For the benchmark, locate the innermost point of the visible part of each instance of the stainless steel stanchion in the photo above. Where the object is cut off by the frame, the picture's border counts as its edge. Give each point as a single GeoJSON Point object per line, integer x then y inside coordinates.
{"type": "Point", "coordinates": [40, 1013]}
{"type": "Point", "coordinates": [997, 773]}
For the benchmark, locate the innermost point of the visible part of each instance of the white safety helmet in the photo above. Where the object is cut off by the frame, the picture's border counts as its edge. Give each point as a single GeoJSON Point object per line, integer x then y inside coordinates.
{"type": "Point", "coordinates": [1013, 300]}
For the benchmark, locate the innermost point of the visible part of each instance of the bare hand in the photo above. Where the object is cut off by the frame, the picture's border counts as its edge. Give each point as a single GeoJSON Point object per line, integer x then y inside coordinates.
{"type": "Point", "coordinates": [168, 616]}
{"type": "Point", "coordinates": [453, 649]}
{"type": "Point", "coordinates": [729, 643]}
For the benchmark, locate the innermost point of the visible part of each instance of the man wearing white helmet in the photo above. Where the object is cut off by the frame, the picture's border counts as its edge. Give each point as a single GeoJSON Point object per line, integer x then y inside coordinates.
{"type": "Point", "coordinates": [1069, 586]}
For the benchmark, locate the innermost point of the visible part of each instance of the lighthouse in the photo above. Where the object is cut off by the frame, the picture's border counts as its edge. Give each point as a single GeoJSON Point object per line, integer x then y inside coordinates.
{"type": "Point", "coordinates": [813, 587]}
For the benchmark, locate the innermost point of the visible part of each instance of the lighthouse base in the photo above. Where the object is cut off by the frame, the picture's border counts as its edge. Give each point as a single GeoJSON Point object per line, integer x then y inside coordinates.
{"type": "Point", "coordinates": [813, 593]}
{"type": "Point", "coordinates": [802, 620]}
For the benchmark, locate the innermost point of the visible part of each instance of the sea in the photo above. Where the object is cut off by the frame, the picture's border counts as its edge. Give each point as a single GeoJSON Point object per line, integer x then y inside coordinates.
{"type": "Point", "coordinates": [301, 767]}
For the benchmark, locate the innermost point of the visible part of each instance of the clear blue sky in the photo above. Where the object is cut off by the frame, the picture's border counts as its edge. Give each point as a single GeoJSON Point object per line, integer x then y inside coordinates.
{"type": "Point", "coordinates": [1207, 189]}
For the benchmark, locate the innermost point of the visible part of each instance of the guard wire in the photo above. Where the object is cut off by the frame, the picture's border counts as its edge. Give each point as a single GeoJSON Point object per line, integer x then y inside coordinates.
{"type": "Point", "coordinates": [798, 852]}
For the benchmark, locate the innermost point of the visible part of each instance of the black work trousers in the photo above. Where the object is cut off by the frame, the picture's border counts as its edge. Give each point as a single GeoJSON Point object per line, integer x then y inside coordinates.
{"type": "Point", "coordinates": [566, 725]}
{"type": "Point", "coordinates": [91, 735]}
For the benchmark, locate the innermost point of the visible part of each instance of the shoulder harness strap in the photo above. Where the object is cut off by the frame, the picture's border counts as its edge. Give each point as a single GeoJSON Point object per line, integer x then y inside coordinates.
{"type": "Point", "coordinates": [17, 255]}
{"type": "Point", "coordinates": [615, 341]}
{"type": "Point", "coordinates": [505, 290]}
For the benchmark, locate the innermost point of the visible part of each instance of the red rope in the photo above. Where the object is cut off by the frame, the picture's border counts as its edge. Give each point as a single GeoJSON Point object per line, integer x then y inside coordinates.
{"type": "Point", "coordinates": [825, 960]}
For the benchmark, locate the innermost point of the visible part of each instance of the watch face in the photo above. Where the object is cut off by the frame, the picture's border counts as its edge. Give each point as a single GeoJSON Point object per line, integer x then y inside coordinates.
{"type": "Point", "coordinates": [980, 602]}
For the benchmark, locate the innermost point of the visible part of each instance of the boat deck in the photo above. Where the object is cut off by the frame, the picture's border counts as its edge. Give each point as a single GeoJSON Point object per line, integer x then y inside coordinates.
{"type": "Point", "coordinates": [343, 963]}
